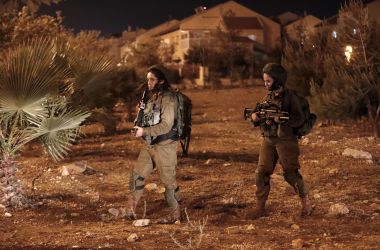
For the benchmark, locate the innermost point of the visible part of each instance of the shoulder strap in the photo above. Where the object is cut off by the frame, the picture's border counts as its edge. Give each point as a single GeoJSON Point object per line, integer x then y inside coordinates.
{"type": "Point", "coordinates": [285, 105]}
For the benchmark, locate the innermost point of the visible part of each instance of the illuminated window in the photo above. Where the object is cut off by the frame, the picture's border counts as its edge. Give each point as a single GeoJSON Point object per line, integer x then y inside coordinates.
{"type": "Point", "coordinates": [348, 52]}
{"type": "Point", "coordinates": [334, 34]}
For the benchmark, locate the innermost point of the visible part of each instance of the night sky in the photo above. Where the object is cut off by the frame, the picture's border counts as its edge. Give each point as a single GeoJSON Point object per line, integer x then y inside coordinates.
{"type": "Point", "coordinates": [114, 16]}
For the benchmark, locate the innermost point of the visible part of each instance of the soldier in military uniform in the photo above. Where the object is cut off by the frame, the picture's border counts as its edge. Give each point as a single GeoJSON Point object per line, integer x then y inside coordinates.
{"type": "Point", "coordinates": [160, 151]}
{"type": "Point", "coordinates": [279, 141]}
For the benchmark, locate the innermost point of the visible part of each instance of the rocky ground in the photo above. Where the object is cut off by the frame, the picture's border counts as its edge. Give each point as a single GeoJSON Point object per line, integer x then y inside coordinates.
{"type": "Point", "coordinates": [78, 209]}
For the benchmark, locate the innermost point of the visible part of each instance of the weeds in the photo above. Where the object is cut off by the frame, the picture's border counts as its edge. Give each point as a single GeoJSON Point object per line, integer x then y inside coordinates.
{"type": "Point", "coordinates": [195, 229]}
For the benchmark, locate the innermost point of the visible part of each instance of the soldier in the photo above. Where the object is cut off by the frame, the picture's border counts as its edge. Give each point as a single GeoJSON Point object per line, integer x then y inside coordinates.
{"type": "Point", "coordinates": [161, 146]}
{"type": "Point", "coordinates": [279, 141]}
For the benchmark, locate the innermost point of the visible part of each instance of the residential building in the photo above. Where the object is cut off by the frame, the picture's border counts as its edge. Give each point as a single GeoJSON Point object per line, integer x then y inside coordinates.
{"type": "Point", "coordinates": [249, 27]}
{"type": "Point", "coordinates": [301, 28]}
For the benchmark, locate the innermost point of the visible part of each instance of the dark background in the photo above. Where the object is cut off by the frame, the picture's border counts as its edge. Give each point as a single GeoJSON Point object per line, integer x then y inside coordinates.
{"type": "Point", "coordinates": [114, 16]}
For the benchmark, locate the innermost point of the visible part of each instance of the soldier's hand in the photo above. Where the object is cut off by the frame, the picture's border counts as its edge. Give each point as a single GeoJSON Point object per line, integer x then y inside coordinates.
{"type": "Point", "coordinates": [255, 117]}
{"type": "Point", "coordinates": [269, 122]}
{"type": "Point", "coordinates": [138, 131]}
{"type": "Point", "coordinates": [277, 119]}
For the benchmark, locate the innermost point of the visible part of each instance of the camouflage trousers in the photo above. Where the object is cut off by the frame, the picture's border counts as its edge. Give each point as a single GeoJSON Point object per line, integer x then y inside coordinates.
{"type": "Point", "coordinates": [286, 152]}
{"type": "Point", "coordinates": [163, 157]}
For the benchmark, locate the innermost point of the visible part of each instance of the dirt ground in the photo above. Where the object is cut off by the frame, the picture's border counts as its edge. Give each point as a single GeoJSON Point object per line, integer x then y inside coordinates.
{"type": "Point", "coordinates": [217, 182]}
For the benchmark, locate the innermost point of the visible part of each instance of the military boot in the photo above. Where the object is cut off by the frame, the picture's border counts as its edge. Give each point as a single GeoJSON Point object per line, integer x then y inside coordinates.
{"type": "Point", "coordinates": [130, 209]}
{"type": "Point", "coordinates": [172, 217]}
{"type": "Point", "coordinates": [259, 210]}
{"type": "Point", "coordinates": [307, 209]}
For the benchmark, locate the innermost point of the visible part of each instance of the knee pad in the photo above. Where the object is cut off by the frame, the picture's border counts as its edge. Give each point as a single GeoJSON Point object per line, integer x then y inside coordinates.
{"type": "Point", "coordinates": [137, 182]}
{"type": "Point", "coordinates": [294, 178]}
{"type": "Point", "coordinates": [172, 196]}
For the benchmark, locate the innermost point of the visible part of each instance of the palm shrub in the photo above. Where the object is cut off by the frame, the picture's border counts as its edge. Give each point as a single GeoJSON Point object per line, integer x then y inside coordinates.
{"type": "Point", "coordinates": [33, 107]}
{"type": "Point", "coordinates": [89, 84]}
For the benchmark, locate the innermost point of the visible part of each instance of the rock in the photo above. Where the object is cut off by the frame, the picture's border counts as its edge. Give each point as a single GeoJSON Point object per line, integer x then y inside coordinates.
{"type": "Point", "coordinates": [357, 154]}
{"type": "Point", "coordinates": [250, 227]}
{"type": "Point", "coordinates": [208, 161]}
{"type": "Point", "coordinates": [227, 164]}
{"type": "Point", "coordinates": [7, 214]}
{"type": "Point", "coordinates": [80, 167]}
{"type": "Point", "coordinates": [305, 141]}
{"type": "Point", "coordinates": [297, 243]}
{"type": "Point", "coordinates": [333, 171]}
{"type": "Point", "coordinates": [151, 186]}
{"type": "Point", "coordinates": [115, 212]}
{"type": "Point", "coordinates": [160, 190]}
{"type": "Point", "coordinates": [317, 196]}
{"type": "Point", "coordinates": [334, 142]}
{"type": "Point", "coordinates": [64, 171]}
{"type": "Point", "coordinates": [338, 209]}
{"type": "Point", "coordinates": [371, 138]}
{"type": "Point", "coordinates": [177, 222]}
{"type": "Point", "coordinates": [141, 223]}
{"type": "Point", "coordinates": [132, 238]}
{"type": "Point", "coordinates": [295, 227]}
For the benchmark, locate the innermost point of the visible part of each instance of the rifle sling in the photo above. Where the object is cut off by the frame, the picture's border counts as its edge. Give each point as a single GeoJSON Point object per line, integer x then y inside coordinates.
{"type": "Point", "coordinates": [172, 134]}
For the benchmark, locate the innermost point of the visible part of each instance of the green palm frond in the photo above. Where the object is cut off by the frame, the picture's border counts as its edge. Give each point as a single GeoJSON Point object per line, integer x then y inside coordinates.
{"type": "Point", "coordinates": [91, 71]}
{"type": "Point", "coordinates": [29, 74]}
{"type": "Point", "coordinates": [9, 146]}
{"type": "Point", "coordinates": [59, 131]}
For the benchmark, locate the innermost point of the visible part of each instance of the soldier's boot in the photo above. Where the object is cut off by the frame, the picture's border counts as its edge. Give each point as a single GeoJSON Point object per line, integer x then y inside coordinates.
{"type": "Point", "coordinates": [259, 210]}
{"type": "Point", "coordinates": [172, 197]}
{"type": "Point", "coordinates": [172, 217]}
{"type": "Point", "coordinates": [130, 213]}
{"type": "Point", "coordinates": [307, 208]}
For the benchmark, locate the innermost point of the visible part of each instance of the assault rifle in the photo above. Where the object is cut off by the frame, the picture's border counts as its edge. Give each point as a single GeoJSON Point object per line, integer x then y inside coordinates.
{"type": "Point", "coordinates": [267, 111]}
{"type": "Point", "coordinates": [140, 113]}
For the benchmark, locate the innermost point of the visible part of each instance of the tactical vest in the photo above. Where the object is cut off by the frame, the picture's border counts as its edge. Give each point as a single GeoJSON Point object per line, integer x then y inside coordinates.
{"type": "Point", "coordinates": [152, 116]}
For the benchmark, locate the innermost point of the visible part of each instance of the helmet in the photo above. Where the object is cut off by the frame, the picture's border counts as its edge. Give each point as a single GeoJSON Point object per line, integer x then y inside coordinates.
{"type": "Point", "coordinates": [277, 72]}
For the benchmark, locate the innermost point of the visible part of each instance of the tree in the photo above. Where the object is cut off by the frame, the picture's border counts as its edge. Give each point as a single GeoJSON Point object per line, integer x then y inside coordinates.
{"type": "Point", "coordinates": [32, 107]}
{"type": "Point", "coordinates": [352, 87]}
{"type": "Point", "coordinates": [304, 58]}
{"type": "Point", "coordinates": [16, 28]}
{"type": "Point", "coordinates": [15, 5]}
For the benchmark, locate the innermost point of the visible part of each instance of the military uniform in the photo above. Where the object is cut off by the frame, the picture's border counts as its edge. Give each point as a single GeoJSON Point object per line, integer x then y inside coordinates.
{"type": "Point", "coordinates": [161, 148]}
{"type": "Point", "coordinates": [280, 143]}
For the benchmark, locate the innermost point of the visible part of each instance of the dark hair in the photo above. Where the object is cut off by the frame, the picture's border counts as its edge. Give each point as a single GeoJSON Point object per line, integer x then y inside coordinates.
{"type": "Point", "coordinates": [160, 76]}
{"type": "Point", "coordinates": [276, 71]}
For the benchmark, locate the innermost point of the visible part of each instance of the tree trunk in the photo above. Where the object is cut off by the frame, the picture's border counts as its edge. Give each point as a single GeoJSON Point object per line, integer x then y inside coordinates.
{"type": "Point", "coordinates": [376, 121]}
{"type": "Point", "coordinates": [373, 119]}
{"type": "Point", "coordinates": [11, 194]}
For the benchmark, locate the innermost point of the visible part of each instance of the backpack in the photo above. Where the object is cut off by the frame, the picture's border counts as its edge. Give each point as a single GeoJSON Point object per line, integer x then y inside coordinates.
{"type": "Point", "coordinates": [183, 123]}
{"type": "Point", "coordinates": [310, 118]}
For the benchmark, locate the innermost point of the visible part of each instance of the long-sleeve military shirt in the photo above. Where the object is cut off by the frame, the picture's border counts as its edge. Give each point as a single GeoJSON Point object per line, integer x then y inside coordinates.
{"type": "Point", "coordinates": [163, 107]}
{"type": "Point", "coordinates": [287, 101]}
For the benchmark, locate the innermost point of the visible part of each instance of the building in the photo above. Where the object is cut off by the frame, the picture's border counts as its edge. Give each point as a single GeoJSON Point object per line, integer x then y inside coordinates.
{"type": "Point", "coordinates": [199, 29]}
{"type": "Point", "coordinates": [301, 28]}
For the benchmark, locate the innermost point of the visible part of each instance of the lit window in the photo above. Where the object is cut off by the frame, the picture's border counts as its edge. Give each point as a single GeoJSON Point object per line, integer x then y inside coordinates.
{"type": "Point", "coordinates": [348, 52]}
{"type": "Point", "coordinates": [334, 34]}
{"type": "Point", "coordinates": [252, 37]}
{"type": "Point", "coordinates": [354, 31]}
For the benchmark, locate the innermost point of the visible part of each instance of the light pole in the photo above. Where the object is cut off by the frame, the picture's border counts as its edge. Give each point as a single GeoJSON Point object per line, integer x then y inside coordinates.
{"type": "Point", "coordinates": [252, 61]}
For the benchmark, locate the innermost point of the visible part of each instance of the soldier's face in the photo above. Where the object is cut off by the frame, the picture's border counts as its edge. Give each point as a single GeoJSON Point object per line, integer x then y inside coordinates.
{"type": "Point", "coordinates": [152, 80]}
{"type": "Point", "coordinates": [268, 80]}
